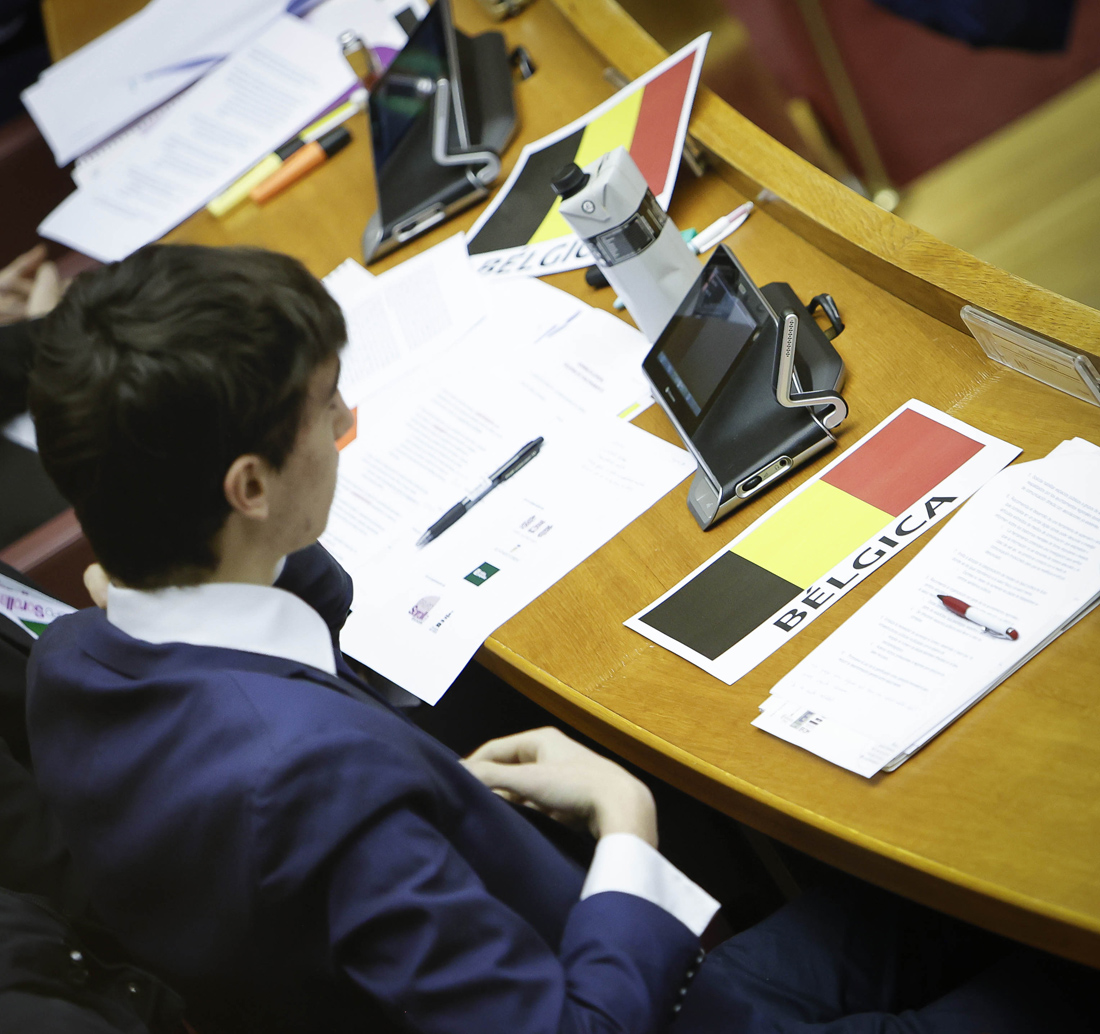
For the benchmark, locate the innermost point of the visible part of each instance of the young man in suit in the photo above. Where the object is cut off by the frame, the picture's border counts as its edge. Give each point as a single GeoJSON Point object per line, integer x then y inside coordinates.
{"type": "Point", "coordinates": [254, 820]}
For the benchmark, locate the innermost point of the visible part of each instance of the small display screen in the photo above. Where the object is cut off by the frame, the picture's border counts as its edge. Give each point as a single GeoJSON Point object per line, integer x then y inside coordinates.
{"type": "Point", "coordinates": [698, 347]}
{"type": "Point", "coordinates": [406, 90]}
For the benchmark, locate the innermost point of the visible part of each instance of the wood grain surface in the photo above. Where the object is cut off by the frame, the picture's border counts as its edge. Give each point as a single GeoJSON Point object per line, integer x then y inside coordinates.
{"type": "Point", "coordinates": [998, 819]}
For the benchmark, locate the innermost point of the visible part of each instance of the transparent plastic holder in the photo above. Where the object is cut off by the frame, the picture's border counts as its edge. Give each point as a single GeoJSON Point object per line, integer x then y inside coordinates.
{"type": "Point", "coordinates": [1026, 352]}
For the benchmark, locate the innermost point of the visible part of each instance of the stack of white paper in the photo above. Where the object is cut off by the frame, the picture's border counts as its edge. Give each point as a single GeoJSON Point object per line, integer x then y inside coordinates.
{"type": "Point", "coordinates": [374, 20]}
{"type": "Point", "coordinates": [240, 112]}
{"type": "Point", "coordinates": [1024, 553]}
{"type": "Point", "coordinates": [166, 46]}
{"type": "Point", "coordinates": [403, 322]}
{"type": "Point", "coordinates": [503, 364]}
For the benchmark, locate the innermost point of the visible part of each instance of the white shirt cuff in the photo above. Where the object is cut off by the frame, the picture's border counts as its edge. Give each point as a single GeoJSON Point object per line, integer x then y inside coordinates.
{"type": "Point", "coordinates": [626, 863]}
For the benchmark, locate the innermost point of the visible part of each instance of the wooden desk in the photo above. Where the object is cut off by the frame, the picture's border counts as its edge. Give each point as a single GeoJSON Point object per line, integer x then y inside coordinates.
{"type": "Point", "coordinates": [998, 819]}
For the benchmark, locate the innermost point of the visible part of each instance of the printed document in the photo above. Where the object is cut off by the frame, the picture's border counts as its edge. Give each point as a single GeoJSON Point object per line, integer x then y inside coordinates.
{"type": "Point", "coordinates": [420, 615]}
{"type": "Point", "coordinates": [399, 321]}
{"type": "Point", "coordinates": [1024, 552]}
{"type": "Point", "coordinates": [85, 98]}
{"type": "Point", "coordinates": [404, 320]}
{"type": "Point", "coordinates": [824, 538]}
{"type": "Point", "coordinates": [239, 113]}
{"type": "Point", "coordinates": [535, 363]}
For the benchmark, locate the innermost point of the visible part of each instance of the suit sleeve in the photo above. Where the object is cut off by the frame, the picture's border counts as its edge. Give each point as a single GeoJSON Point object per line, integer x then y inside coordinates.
{"type": "Point", "coordinates": [411, 922]}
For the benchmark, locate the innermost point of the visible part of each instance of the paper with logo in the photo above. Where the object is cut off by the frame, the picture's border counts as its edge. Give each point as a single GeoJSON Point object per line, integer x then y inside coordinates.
{"type": "Point", "coordinates": [522, 233]}
{"type": "Point", "coordinates": [1024, 555]}
{"type": "Point", "coordinates": [533, 362]}
{"type": "Point", "coordinates": [31, 610]}
{"type": "Point", "coordinates": [828, 535]}
{"type": "Point", "coordinates": [421, 614]}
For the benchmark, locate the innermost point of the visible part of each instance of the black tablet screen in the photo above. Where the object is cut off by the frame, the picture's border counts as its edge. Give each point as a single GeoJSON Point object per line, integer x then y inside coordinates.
{"type": "Point", "coordinates": [699, 348]}
{"type": "Point", "coordinates": [703, 343]}
{"type": "Point", "coordinates": [403, 94]}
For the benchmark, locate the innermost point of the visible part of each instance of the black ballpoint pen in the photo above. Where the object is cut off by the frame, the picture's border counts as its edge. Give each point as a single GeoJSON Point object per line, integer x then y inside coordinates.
{"type": "Point", "coordinates": [500, 475]}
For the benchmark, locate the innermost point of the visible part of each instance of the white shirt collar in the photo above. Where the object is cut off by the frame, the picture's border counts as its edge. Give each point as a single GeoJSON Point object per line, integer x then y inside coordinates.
{"type": "Point", "coordinates": [231, 615]}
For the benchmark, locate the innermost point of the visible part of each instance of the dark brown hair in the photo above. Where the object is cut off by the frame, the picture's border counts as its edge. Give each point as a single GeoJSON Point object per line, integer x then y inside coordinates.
{"type": "Point", "coordinates": [154, 374]}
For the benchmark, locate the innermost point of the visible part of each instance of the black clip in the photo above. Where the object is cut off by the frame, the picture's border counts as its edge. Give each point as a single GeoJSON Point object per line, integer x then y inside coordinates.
{"type": "Point", "coordinates": [521, 62]}
{"type": "Point", "coordinates": [828, 306]}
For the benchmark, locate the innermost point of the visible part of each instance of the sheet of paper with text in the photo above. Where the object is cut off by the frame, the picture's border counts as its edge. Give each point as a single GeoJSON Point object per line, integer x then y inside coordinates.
{"type": "Point", "coordinates": [249, 105]}
{"type": "Point", "coordinates": [446, 391]}
{"type": "Point", "coordinates": [1023, 553]}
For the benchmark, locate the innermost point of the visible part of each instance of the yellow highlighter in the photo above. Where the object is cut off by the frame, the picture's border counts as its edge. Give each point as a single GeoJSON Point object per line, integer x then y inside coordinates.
{"type": "Point", "coordinates": [239, 190]}
{"type": "Point", "coordinates": [228, 199]}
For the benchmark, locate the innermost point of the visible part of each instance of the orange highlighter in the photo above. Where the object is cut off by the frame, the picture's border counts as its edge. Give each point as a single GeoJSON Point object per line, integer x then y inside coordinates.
{"type": "Point", "coordinates": [301, 162]}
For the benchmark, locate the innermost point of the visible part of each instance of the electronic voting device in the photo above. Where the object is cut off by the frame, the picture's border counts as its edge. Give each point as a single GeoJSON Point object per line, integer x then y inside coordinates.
{"type": "Point", "coordinates": [751, 382]}
{"type": "Point", "coordinates": [439, 117]}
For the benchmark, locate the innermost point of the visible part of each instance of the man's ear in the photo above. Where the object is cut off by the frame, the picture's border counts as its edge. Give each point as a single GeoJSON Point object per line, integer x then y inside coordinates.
{"type": "Point", "coordinates": [95, 581]}
{"type": "Point", "coordinates": [246, 486]}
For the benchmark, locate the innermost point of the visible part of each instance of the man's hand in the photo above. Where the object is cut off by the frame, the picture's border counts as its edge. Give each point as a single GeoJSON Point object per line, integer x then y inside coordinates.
{"type": "Point", "coordinates": [29, 286]}
{"type": "Point", "coordinates": [46, 290]}
{"type": "Point", "coordinates": [544, 769]}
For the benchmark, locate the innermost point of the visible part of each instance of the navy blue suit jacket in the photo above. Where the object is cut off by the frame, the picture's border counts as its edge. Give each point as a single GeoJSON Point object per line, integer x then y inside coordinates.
{"type": "Point", "coordinates": [255, 827]}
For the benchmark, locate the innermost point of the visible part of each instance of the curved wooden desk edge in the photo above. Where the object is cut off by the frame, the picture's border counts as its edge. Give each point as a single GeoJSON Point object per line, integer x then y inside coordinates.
{"type": "Point", "coordinates": [922, 270]}
{"type": "Point", "coordinates": [994, 907]}
{"type": "Point", "coordinates": [937, 279]}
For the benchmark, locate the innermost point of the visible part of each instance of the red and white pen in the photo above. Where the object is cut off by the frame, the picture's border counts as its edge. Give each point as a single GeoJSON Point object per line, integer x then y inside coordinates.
{"type": "Point", "coordinates": [990, 624]}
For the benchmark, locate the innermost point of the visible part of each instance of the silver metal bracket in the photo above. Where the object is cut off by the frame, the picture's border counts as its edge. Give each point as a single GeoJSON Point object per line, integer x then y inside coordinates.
{"type": "Point", "coordinates": [441, 117]}
{"type": "Point", "coordinates": [787, 388]}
